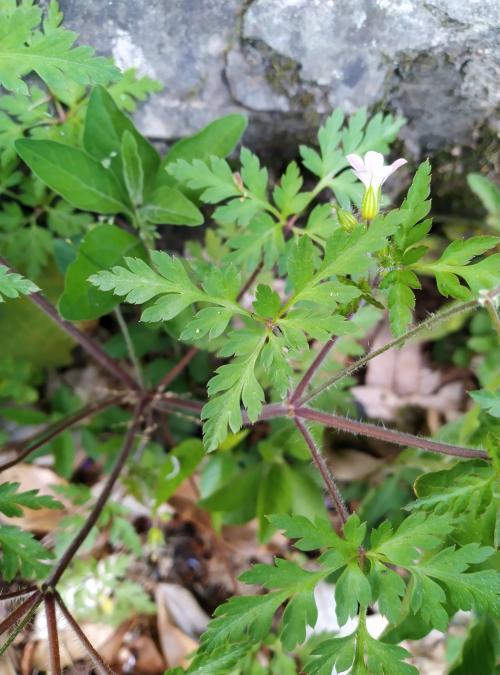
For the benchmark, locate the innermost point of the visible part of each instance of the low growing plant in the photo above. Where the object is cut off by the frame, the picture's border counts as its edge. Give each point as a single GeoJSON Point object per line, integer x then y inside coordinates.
{"type": "Point", "coordinates": [290, 272]}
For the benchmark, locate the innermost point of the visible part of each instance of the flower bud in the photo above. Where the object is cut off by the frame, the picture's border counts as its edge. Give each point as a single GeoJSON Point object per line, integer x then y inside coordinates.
{"type": "Point", "coordinates": [370, 203]}
{"type": "Point", "coordinates": [346, 219]}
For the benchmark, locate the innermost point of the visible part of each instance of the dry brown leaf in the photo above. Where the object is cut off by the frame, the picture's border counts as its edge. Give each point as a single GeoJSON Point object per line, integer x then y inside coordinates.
{"type": "Point", "coordinates": [175, 644]}
{"type": "Point", "coordinates": [148, 660]}
{"type": "Point", "coordinates": [401, 378]}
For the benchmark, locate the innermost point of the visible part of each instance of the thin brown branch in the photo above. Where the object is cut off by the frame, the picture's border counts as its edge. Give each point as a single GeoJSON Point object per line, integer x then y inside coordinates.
{"type": "Point", "coordinates": [388, 435]}
{"type": "Point", "coordinates": [55, 429]}
{"type": "Point", "coordinates": [311, 371]}
{"type": "Point", "coordinates": [93, 516]}
{"type": "Point", "coordinates": [326, 474]}
{"type": "Point", "coordinates": [98, 663]}
{"type": "Point", "coordinates": [177, 369]}
{"type": "Point", "coordinates": [53, 638]}
{"type": "Point", "coordinates": [85, 341]}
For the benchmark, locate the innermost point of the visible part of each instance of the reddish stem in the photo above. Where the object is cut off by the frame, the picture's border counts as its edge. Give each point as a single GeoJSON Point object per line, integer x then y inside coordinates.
{"type": "Point", "coordinates": [93, 516]}
{"type": "Point", "coordinates": [20, 611]}
{"type": "Point", "coordinates": [325, 472]}
{"type": "Point", "coordinates": [16, 594]}
{"type": "Point", "coordinates": [99, 664]}
{"type": "Point", "coordinates": [57, 428]}
{"type": "Point", "coordinates": [388, 435]}
{"type": "Point", "coordinates": [53, 638]}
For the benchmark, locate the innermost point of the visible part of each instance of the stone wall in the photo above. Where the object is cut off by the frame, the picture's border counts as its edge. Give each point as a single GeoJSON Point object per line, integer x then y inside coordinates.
{"type": "Point", "coordinates": [286, 62]}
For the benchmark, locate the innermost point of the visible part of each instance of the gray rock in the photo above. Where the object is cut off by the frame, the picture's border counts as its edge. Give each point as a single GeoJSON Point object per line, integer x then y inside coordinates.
{"type": "Point", "coordinates": [287, 62]}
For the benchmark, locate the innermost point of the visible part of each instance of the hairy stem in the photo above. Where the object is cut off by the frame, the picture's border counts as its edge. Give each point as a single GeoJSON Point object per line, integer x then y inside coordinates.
{"type": "Point", "coordinates": [54, 430]}
{"type": "Point", "coordinates": [299, 390]}
{"type": "Point", "coordinates": [93, 516]}
{"type": "Point", "coordinates": [20, 611]}
{"type": "Point", "coordinates": [29, 609]}
{"type": "Point", "coordinates": [425, 325]}
{"type": "Point", "coordinates": [98, 663]}
{"type": "Point", "coordinates": [326, 474]}
{"type": "Point", "coordinates": [85, 341]}
{"type": "Point", "coordinates": [16, 594]}
{"type": "Point", "coordinates": [388, 435]}
{"type": "Point", "coordinates": [130, 345]}
{"type": "Point", "coordinates": [53, 638]}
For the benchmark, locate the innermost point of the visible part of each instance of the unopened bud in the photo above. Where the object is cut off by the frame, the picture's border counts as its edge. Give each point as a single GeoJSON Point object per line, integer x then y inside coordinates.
{"type": "Point", "coordinates": [370, 204]}
{"type": "Point", "coordinates": [346, 219]}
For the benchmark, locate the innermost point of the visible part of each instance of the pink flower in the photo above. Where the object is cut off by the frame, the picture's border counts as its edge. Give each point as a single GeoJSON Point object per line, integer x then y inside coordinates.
{"type": "Point", "coordinates": [371, 171]}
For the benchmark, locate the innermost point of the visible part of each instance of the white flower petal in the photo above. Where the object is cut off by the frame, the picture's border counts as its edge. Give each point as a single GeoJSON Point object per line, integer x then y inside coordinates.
{"type": "Point", "coordinates": [389, 170]}
{"type": "Point", "coordinates": [358, 166]}
{"type": "Point", "coordinates": [374, 162]}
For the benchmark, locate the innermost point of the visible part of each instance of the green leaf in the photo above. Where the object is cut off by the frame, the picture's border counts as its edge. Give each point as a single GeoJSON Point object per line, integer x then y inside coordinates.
{"type": "Point", "coordinates": [130, 88]}
{"type": "Point", "coordinates": [133, 172]}
{"type": "Point", "coordinates": [347, 252]}
{"type": "Point", "coordinates": [386, 659]}
{"type": "Point", "coordinates": [274, 496]}
{"type": "Point", "coordinates": [488, 400]}
{"type": "Point", "coordinates": [233, 384]}
{"type": "Point", "coordinates": [352, 589]}
{"type": "Point", "coordinates": [214, 178]}
{"type": "Point", "coordinates": [140, 283]}
{"type": "Point", "coordinates": [301, 264]}
{"type": "Point", "coordinates": [219, 138]}
{"type": "Point", "coordinates": [241, 617]}
{"type": "Point", "coordinates": [12, 502]}
{"type": "Point", "coordinates": [333, 654]}
{"type": "Point", "coordinates": [168, 206]}
{"type": "Point", "coordinates": [454, 263]}
{"type": "Point", "coordinates": [310, 535]}
{"type": "Point", "coordinates": [417, 532]}
{"type": "Point", "coordinates": [103, 246]}
{"type": "Point", "coordinates": [478, 652]}
{"type": "Point", "coordinates": [49, 52]}
{"type": "Point", "coordinates": [287, 195]}
{"type": "Point", "coordinates": [12, 285]}
{"type": "Point", "coordinates": [105, 125]}
{"type": "Point", "coordinates": [267, 302]}
{"type": "Point", "coordinates": [22, 554]}
{"type": "Point", "coordinates": [467, 590]}
{"type": "Point", "coordinates": [80, 179]}
{"type": "Point", "coordinates": [489, 194]}
{"type": "Point", "coordinates": [181, 462]}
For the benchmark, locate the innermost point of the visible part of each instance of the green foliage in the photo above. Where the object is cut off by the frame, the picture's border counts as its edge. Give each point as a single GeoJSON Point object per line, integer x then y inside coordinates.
{"type": "Point", "coordinates": [103, 246]}
{"type": "Point", "coordinates": [281, 273]}
{"type": "Point", "coordinates": [489, 194]}
{"type": "Point", "coordinates": [13, 285]}
{"type": "Point", "coordinates": [102, 591]}
{"type": "Point", "coordinates": [32, 45]}
{"type": "Point", "coordinates": [21, 553]}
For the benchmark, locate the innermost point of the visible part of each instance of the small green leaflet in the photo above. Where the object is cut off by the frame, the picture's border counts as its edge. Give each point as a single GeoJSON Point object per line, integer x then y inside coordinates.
{"type": "Point", "coordinates": [401, 281]}
{"type": "Point", "coordinates": [341, 654]}
{"type": "Point", "coordinates": [12, 285]}
{"type": "Point", "coordinates": [252, 615]}
{"type": "Point", "coordinates": [26, 47]}
{"type": "Point", "coordinates": [12, 502]}
{"type": "Point", "coordinates": [488, 401]}
{"type": "Point", "coordinates": [454, 263]}
{"type": "Point", "coordinates": [21, 553]}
